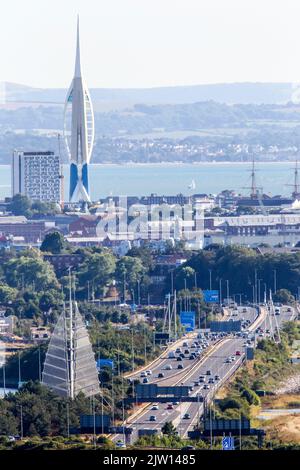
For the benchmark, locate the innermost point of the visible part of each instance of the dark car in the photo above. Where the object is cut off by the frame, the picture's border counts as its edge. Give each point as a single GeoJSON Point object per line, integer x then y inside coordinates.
{"type": "Point", "coordinates": [179, 359]}
{"type": "Point", "coordinates": [180, 366]}
{"type": "Point", "coordinates": [160, 375]}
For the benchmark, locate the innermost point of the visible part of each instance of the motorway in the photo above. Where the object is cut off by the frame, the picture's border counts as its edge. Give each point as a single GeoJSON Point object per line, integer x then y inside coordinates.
{"type": "Point", "coordinates": [214, 359]}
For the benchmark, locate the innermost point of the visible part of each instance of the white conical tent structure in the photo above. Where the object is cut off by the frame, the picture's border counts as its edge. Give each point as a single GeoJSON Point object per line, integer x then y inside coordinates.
{"type": "Point", "coordinates": [56, 370]}
{"type": "Point", "coordinates": [85, 371]}
{"type": "Point", "coordinates": [70, 366]}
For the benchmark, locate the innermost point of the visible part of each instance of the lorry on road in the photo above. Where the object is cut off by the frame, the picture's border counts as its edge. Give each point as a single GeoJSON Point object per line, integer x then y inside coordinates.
{"type": "Point", "coordinates": [147, 432]}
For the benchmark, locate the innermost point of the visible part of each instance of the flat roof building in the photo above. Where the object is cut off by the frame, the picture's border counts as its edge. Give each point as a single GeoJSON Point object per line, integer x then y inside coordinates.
{"type": "Point", "coordinates": [36, 175]}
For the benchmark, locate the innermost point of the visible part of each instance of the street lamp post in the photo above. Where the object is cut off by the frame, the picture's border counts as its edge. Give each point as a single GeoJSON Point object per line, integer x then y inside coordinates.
{"type": "Point", "coordinates": [275, 280]}
{"type": "Point", "coordinates": [227, 285]}
{"type": "Point", "coordinates": [210, 281]}
{"type": "Point", "coordinates": [259, 281]}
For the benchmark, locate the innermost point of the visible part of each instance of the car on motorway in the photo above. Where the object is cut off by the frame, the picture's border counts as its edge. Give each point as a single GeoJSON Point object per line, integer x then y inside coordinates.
{"type": "Point", "coordinates": [228, 360]}
{"type": "Point", "coordinates": [289, 309]}
{"type": "Point", "coordinates": [187, 351]}
{"type": "Point", "coordinates": [145, 380]}
{"type": "Point", "coordinates": [168, 367]}
{"type": "Point", "coordinates": [160, 375]}
{"type": "Point", "coordinates": [180, 366]}
{"type": "Point", "coordinates": [191, 357]}
{"type": "Point", "coordinates": [121, 445]}
{"type": "Point", "coordinates": [155, 407]}
{"type": "Point", "coordinates": [206, 387]}
{"type": "Point", "coordinates": [175, 403]}
{"type": "Point", "coordinates": [149, 372]}
{"type": "Point", "coordinates": [196, 383]}
{"type": "Point", "coordinates": [152, 418]}
{"type": "Point", "coordinates": [217, 377]}
{"type": "Point", "coordinates": [211, 380]}
{"type": "Point", "coordinates": [244, 310]}
{"type": "Point", "coordinates": [237, 353]}
{"type": "Point", "coordinates": [171, 355]}
{"type": "Point", "coordinates": [208, 372]}
{"type": "Point", "coordinates": [170, 406]}
{"type": "Point", "coordinates": [202, 378]}
{"type": "Point", "coordinates": [178, 351]}
{"type": "Point", "coordinates": [179, 359]}
{"type": "Point", "coordinates": [187, 416]}
{"type": "Point", "coordinates": [143, 374]}
{"type": "Point", "coordinates": [185, 344]}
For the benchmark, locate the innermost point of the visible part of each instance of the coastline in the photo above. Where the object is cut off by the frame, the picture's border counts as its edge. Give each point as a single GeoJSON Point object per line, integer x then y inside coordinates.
{"type": "Point", "coordinates": [177, 163]}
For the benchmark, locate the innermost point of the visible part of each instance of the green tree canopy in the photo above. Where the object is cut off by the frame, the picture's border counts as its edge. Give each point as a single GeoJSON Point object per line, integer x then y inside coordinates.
{"type": "Point", "coordinates": [53, 243]}
{"type": "Point", "coordinates": [20, 205]}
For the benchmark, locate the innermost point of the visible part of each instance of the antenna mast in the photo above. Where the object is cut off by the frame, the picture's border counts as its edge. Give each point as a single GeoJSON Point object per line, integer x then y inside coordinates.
{"type": "Point", "coordinates": [71, 339]}
{"type": "Point", "coordinates": [61, 176]}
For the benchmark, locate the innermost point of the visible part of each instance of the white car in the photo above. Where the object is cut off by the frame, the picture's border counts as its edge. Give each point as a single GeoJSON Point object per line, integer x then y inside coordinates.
{"type": "Point", "coordinates": [149, 372]}
{"type": "Point", "coordinates": [168, 367]}
{"type": "Point", "coordinates": [121, 445]}
{"type": "Point", "coordinates": [155, 408]}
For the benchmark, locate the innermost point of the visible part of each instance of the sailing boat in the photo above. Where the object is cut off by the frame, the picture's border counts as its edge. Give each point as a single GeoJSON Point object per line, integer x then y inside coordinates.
{"type": "Point", "coordinates": [192, 185]}
{"type": "Point", "coordinates": [70, 366]}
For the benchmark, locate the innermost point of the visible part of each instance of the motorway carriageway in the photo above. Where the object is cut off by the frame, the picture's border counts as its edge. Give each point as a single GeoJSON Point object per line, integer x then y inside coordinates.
{"type": "Point", "coordinates": [215, 361]}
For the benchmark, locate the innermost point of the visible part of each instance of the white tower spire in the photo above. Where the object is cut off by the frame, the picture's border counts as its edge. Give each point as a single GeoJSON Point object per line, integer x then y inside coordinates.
{"type": "Point", "coordinates": [78, 62]}
{"type": "Point", "coordinates": [79, 131]}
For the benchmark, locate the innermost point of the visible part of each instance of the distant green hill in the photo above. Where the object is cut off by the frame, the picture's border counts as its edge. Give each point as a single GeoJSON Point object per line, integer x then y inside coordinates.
{"type": "Point", "coordinates": [105, 98]}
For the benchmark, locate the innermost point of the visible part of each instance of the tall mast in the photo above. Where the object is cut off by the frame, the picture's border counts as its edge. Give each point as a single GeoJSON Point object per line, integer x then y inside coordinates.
{"type": "Point", "coordinates": [296, 180]}
{"type": "Point", "coordinates": [71, 339]}
{"type": "Point", "coordinates": [253, 180]}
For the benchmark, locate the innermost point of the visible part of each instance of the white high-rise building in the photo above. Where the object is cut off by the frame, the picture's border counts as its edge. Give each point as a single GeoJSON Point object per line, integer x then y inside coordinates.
{"type": "Point", "coordinates": [36, 175]}
{"type": "Point", "coordinates": [79, 132]}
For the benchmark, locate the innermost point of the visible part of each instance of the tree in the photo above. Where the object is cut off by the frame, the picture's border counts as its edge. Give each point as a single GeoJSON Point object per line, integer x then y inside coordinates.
{"type": "Point", "coordinates": [97, 269]}
{"type": "Point", "coordinates": [185, 276]}
{"type": "Point", "coordinates": [20, 205]}
{"type": "Point", "coordinates": [30, 272]}
{"type": "Point", "coordinates": [169, 429]}
{"type": "Point", "coordinates": [45, 208]}
{"type": "Point", "coordinates": [53, 243]}
{"type": "Point", "coordinates": [7, 294]}
{"type": "Point", "coordinates": [284, 296]}
{"type": "Point", "coordinates": [131, 270]}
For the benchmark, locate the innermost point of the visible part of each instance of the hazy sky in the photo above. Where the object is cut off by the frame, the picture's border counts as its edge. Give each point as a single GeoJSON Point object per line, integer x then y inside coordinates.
{"type": "Point", "coordinates": [146, 43]}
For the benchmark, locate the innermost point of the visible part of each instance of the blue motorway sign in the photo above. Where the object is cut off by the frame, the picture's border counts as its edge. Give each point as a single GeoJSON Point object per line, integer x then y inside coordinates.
{"type": "Point", "coordinates": [228, 443]}
{"type": "Point", "coordinates": [105, 363]}
{"type": "Point", "coordinates": [211, 296]}
{"type": "Point", "coordinates": [188, 320]}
